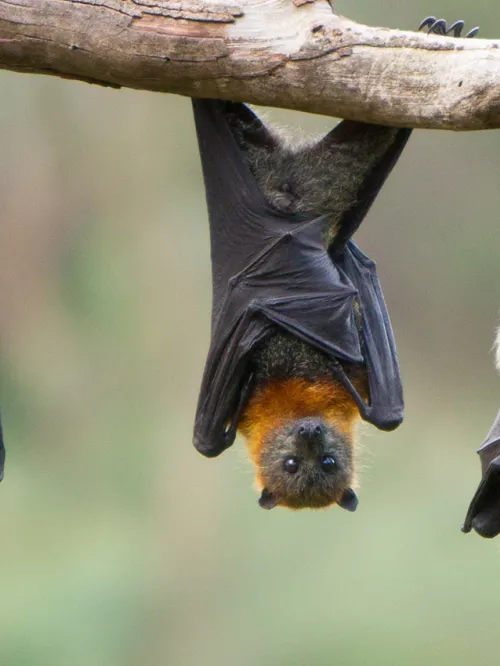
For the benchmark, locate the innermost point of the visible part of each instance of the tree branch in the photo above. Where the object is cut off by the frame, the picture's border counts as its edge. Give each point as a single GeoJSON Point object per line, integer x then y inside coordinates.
{"type": "Point", "coordinates": [296, 55]}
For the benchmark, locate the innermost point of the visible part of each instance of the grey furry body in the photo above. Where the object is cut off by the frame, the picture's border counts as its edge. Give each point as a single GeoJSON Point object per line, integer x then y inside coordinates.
{"type": "Point", "coordinates": [312, 178]}
{"type": "Point", "coordinates": [315, 178]}
{"type": "Point", "coordinates": [283, 356]}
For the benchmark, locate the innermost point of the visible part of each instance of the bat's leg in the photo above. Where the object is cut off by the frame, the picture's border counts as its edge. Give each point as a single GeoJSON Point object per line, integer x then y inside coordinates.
{"type": "Point", "coordinates": [439, 27]}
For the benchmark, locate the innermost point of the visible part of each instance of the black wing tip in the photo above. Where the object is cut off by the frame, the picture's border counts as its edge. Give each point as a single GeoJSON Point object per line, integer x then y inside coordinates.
{"type": "Point", "coordinates": [483, 514]}
{"type": "Point", "coordinates": [486, 526]}
{"type": "Point", "coordinates": [208, 450]}
{"type": "Point", "coordinates": [467, 525]}
{"type": "Point", "coordinates": [389, 426]}
{"type": "Point", "coordinates": [386, 417]}
{"type": "Point", "coordinates": [211, 449]}
{"type": "Point", "coordinates": [386, 423]}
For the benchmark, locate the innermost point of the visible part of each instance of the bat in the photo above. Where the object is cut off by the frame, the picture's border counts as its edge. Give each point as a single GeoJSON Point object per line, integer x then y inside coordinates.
{"type": "Point", "coordinates": [484, 510]}
{"type": "Point", "coordinates": [301, 338]}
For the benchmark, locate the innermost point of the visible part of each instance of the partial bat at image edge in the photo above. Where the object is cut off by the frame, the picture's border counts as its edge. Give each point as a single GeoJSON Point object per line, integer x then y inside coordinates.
{"type": "Point", "coordinates": [483, 514]}
{"type": "Point", "coordinates": [2, 452]}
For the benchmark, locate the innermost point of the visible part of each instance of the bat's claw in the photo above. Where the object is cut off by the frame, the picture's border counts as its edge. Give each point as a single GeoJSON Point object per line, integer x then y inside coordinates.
{"type": "Point", "coordinates": [430, 20]}
{"type": "Point", "coordinates": [473, 32]}
{"type": "Point", "coordinates": [456, 28]}
{"type": "Point", "coordinates": [438, 27]}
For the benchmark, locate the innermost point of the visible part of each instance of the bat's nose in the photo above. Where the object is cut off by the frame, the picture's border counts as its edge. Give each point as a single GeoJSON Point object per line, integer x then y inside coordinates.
{"type": "Point", "coordinates": [310, 428]}
{"type": "Point", "coordinates": [310, 431]}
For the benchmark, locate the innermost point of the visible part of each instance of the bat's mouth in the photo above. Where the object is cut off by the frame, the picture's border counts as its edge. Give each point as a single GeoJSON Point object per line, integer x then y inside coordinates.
{"type": "Point", "coordinates": [347, 500]}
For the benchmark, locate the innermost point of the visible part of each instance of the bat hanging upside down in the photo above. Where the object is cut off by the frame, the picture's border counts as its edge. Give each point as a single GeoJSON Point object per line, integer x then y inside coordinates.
{"type": "Point", "coordinates": [302, 346]}
{"type": "Point", "coordinates": [484, 510]}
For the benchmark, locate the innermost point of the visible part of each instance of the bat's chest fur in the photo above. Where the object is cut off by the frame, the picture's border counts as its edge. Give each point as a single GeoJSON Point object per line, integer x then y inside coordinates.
{"type": "Point", "coordinates": [283, 356]}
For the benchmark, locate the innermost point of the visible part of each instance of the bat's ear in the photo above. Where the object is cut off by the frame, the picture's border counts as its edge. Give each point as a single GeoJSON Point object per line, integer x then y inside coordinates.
{"type": "Point", "coordinates": [247, 128]}
{"type": "Point", "coordinates": [349, 500]}
{"type": "Point", "coordinates": [267, 500]}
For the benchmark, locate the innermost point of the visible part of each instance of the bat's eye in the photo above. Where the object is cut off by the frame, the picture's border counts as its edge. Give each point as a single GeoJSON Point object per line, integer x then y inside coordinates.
{"type": "Point", "coordinates": [328, 464]}
{"type": "Point", "coordinates": [291, 465]}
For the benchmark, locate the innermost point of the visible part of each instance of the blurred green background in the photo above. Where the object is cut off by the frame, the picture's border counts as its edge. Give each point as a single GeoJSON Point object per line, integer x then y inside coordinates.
{"type": "Point", "coordinates": [120, 545]}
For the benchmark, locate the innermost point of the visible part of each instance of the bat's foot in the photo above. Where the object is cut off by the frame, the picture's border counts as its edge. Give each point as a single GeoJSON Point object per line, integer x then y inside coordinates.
{"type": "Point", "coordinates": [439, 27]}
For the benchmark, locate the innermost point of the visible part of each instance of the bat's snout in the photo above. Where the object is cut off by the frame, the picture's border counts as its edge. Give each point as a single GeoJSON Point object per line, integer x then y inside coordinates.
{"type": "Point", "coordinates": [310, 434]}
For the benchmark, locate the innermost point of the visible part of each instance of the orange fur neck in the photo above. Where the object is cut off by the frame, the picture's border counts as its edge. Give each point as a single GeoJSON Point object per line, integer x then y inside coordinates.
{"type": "Point", "coordinates": [279, 401]}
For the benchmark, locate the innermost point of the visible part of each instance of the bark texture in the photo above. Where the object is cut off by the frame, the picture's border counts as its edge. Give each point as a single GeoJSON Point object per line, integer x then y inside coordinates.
{"type": "Point", "coordinates": [297, 55]}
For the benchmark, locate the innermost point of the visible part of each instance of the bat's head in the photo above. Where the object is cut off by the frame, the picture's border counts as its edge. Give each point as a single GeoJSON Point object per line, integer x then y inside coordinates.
{"type": "Point", "coordinates": [300, 435]}
{"type": "Point", "coordinates": [307, 463]}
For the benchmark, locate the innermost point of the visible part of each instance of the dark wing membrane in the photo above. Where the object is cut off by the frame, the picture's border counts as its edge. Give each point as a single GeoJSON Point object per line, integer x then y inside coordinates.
{"type": "Point", "coordinates": [294, 286]}
{"type": "Point", "coordinates": [238, 212]}
{"type": "Point", "coordinates": [271, 270]}
{"type": "Point", "coordinates": [2, 453]}
{"type": "Point", "coordinates": [226, 384]}
{"type": "Point", "coordinates": [378, 346]}
{"type": "Point", "coordinates": [291, 284]}
{"type": "Point", "coordinates": [484, 511]}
